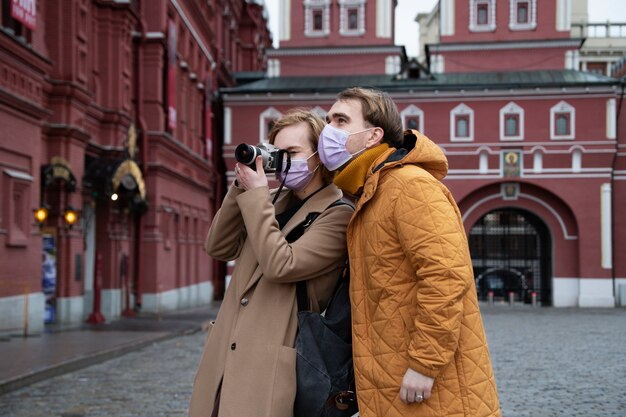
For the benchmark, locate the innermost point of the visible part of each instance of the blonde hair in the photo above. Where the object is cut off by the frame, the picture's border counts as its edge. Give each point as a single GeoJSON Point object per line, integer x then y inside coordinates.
{"type": "Point", "coordinates": [315, 126]}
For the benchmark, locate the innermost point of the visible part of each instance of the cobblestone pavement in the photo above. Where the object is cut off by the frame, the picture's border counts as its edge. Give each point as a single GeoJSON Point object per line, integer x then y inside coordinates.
{"type": "Point", "coordinates": [548, 362]}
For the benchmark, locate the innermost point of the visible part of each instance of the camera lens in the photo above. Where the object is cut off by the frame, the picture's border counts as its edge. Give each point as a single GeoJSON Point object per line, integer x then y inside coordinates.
{"type": "Point", "coordinates": [246, 154]}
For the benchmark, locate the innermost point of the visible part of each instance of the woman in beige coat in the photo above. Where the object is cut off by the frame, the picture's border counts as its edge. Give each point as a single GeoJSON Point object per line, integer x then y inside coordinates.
{"type": "Point", "coordinates": [248, 364]}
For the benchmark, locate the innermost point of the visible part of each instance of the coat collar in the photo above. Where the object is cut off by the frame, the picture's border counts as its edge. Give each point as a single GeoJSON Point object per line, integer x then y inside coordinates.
{"type": "Point", "coordinates": [316, 204]}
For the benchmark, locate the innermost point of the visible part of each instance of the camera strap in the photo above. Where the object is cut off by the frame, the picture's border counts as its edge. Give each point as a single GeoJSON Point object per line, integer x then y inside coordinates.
{"type": "Point", "coordinates": [282, 184]}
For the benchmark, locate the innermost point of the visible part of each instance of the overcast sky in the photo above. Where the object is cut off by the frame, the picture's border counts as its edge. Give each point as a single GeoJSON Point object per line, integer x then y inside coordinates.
{"type": "Point", "coordinates": [407, 31]}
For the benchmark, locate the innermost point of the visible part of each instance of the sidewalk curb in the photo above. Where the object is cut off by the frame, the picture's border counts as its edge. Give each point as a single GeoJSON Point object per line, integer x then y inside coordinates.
{"type": "Point", "coordinates": [92, 359]}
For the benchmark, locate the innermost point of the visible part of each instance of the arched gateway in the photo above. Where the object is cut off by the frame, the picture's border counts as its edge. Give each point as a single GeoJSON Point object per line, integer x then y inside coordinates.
{"type": "Point", "coordinates": [511, 253]}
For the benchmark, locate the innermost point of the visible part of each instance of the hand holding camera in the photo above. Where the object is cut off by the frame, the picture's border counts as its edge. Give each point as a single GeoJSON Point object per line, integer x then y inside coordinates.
{"type": "Point", "coordinates": [272, 157]}
{"type": "Point", "coordinates": [249, 178]}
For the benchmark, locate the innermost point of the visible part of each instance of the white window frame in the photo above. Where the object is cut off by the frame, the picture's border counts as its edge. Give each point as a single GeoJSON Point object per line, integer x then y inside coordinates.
{"type": "Point", "coordinates": [577, 160]}
{"type": "Point", "coordinates": [563, 107]}
{"type": "Point", "coordinates": [461, 110]}
{"type": "Point", "coordinates": [410, 111]}
{"type": "Point", "coordinates": [532, 15]}
{"type": "Point", "coordinates": [491, 17]}
{"type": "Point", "coordinates": [344, 6]}
{"type": "Point", "coordinates": [269, 114]}
{"type": "Point", "coordinates": [309, 7]}
{"type": "Point", "coordinates": [511, 108]}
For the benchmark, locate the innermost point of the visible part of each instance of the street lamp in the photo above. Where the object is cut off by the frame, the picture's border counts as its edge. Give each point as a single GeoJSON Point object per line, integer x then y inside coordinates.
{"type": "Point", "coordinates": [70, 216]}
{"type": "Point", "coordinates": [41, 214]}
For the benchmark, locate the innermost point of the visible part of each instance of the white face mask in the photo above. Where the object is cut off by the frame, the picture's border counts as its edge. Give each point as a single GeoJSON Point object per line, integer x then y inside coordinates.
{"type": "Point", "coordinates": [332, 147]}
{"type": "Point", "coordinates": [299, 175]}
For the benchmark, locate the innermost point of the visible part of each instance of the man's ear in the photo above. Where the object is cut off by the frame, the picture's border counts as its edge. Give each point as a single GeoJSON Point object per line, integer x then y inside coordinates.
{"type": "Point", "coordinates": [376, 138]}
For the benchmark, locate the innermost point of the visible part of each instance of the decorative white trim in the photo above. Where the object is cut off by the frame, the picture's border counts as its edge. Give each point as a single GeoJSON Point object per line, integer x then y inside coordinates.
{"type": "Point", "coordinates": [309, 7]}
{"type": "Point", "coordinates": [512, 108]}
{"type": "Point", "coordinates": [606, 219]}
{"type": "Point", "coordinates": [563, 15]}
{"type": "Point", "coordinates": [532, 15]}
{"type": "Point", "coordinates": [537, 162]}
{"type": "Point", "coordinates": [12, 320]}
{"type": "Point", "coordinates": [556, 215]}
{"type": "Point", "coordinates": [228, 125]}
{"type": "Point", "coordinates": [273, 68]}
{"type": "Point", "coordinates": [316, 5]}
{"type": "Point", "coordinates": [491, 18]}
{"type": "Point", "coordinates": [565, 292]}
{"type": "Point", "coordinates": [563, 107]}
{"type": "Point", "coordinates": [577, 160]}
{"type": "Point", "coordinates": [446, 17]}
{"type": "Point", "coordinates": [496, 46]}
{"type": "Point", "coordinates": [184, 297]}
{"type": "Point", "coordinates": [284, 30]}
{"type": "Point", "coordinates": [596, 292]}
{"type": "Point", "coordinates": [384, 11]}
{"type": "Point", "coordinates": [413, 110]}
{"type": "Point", "coordinates": [611, 119]}
{"type": "Point", "coordinates": [483, 163]}
{"type": "Point", "coordinates": [344, 6]}
{"type": "Point", "coordinates": [269, 114]}
{"type": "Point", "coordinates": [346, 50]}
{"type": "Point", "coordinates": [461, 110]}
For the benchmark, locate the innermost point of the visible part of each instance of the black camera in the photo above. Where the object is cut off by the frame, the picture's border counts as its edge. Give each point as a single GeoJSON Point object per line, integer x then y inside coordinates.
{"type": "Point", "coordinates": [272, 156]}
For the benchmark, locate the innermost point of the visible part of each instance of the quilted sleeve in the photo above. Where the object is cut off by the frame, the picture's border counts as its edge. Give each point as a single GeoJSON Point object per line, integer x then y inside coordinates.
{"type": "Point", "coordinates": [227, 232]}
{"type": "Point", "coordinates": [318, 251]}
{"type": "Point", "coordinates": [432, 237]}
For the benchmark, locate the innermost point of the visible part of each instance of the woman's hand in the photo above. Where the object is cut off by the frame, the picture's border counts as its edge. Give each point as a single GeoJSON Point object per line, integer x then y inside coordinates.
{"type": "Point", "coordinates": [249, 179]}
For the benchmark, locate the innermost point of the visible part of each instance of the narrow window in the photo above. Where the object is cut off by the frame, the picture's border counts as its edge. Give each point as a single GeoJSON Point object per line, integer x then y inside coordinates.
{"type": "Point", "coordinates": [562, 124]}
{"type": "Point", "coordinates": [482, 14]}
{"type": "Point", "coordinates": [462, 126]}
{"type": "Point", "coordinates": [353, 19]}
{"type": "Point", "coordinates": [511, 125]}
{"type": "Point", "coordinates": [318, 20]}
{"type": "Point", "coordinates": [522, 12]}
{"type": "Point", "coordinates": [412, 122]}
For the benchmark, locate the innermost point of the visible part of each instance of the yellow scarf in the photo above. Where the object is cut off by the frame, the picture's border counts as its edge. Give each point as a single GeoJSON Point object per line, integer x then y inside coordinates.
{"type": "Point", "coordinates": [352, 178]}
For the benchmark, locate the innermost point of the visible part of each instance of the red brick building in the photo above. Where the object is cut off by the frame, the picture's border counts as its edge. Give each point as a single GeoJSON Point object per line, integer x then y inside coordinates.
{"type": "Point", "coordinates": [536, 161]}
{"type": "Point", "coordinates": [108, 110]}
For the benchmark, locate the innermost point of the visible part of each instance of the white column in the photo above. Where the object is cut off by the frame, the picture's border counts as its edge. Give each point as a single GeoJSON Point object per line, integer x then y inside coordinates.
{"type": "Point", "coordinates": [446, 16]}
{"type": "Point", "coordinates": [284, 30]}
{"type": "Point", "coordinates": [563, 15]}
{"type": "Point", "coordinates": [611, 119]}
{"type": "Point", "coordinates": [605, 226]}
{"type": "Point", "coordinates": [228, 128]}
{"type": "Point", "coordinates": [383, 19]}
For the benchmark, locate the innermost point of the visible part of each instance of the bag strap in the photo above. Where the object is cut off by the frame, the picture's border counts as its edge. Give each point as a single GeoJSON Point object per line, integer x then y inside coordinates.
{"type": "Point", "coordinates": [302, 294]}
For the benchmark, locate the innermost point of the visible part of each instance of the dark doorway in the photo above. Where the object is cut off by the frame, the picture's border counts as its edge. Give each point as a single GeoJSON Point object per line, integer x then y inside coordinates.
{"type": "Point", "coordinates": [511, 253]}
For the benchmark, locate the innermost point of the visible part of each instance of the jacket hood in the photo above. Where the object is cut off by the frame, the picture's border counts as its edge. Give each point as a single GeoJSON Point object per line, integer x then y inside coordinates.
{"type": "Point", "coordinates": [417, 149]}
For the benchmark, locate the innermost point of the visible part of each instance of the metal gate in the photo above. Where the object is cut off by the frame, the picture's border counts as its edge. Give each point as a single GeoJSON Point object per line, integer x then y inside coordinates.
{"type": "Point", "coordinates": [511, 253]}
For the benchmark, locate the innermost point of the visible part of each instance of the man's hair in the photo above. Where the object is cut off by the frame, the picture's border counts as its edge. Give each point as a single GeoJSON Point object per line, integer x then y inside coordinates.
{"type": "Point", "coordinates": [379, 110]}
{"type": "Point", "coordinates": [315, 125]}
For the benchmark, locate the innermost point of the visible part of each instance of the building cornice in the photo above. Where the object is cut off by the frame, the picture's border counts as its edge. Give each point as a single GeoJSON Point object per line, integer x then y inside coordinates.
{"type": "Point", "coordinates": [363, 50]}
{"type": "Point", "coordinates": [505, 45]}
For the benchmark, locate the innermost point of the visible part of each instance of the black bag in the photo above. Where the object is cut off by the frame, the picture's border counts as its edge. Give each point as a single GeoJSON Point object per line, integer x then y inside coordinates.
{"type": "Point", "coordinates": [324, 369]}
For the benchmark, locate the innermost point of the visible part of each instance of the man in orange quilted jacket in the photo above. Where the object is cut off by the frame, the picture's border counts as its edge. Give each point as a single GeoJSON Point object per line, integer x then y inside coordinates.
{"type": "Point", "coordinates": [418, 339]}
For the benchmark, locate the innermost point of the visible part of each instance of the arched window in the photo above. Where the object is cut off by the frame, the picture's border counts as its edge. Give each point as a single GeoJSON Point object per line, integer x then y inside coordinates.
{"type": "Point", "coordinates": [266, 122]}
{"type": "Point", "coordinates": [562, 121]}
{"type": "Point", "coordinates": [511, 122]}
{"type": "Point", "coordinates": [413, 118]}
{"type": "Point", "coordinates": [462, 124]}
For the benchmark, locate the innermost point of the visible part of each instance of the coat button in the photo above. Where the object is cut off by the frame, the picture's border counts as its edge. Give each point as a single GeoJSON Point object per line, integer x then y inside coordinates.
{"type": "Point", "coordinates": [244, 302]}
{"type": "Point", "coordinates": [233, 346]}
